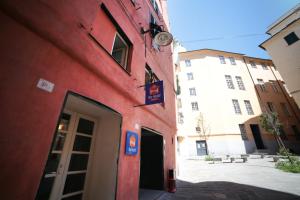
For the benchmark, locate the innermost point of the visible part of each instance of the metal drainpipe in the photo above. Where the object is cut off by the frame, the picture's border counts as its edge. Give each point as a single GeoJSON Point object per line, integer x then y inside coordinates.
{"type": "Point", "coordinates": [259, 97]}
{"type": "Point", "coordinates": [285, 96]}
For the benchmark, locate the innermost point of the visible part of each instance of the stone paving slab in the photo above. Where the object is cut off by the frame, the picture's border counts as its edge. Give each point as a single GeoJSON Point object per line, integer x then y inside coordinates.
{"type": "Point", "coordinates": [225, 190]}
{"type": "Point", "coordinates": [257, 179]}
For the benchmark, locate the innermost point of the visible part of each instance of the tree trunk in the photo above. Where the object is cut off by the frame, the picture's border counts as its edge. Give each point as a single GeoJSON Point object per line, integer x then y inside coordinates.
{"type": "Point", "coordinates": [283, 146]}
{"type": "Point", "coordinates": [278, 143]}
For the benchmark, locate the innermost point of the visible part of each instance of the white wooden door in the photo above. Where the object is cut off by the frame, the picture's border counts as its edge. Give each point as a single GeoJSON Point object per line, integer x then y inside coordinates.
{"type": "Point", "coordinates": [68, 162]}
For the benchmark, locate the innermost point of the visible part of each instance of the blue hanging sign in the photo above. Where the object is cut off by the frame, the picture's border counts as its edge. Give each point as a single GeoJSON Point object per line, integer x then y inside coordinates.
{"type": "Point", "coordinates": [154, 93]}
{"type": "Point", "coordinates": [132, 143]}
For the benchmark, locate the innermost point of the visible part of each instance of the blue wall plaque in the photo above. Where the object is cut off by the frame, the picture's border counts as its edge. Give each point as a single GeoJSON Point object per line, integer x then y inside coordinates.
{"type": "Point", "coordinates": [132, 143]}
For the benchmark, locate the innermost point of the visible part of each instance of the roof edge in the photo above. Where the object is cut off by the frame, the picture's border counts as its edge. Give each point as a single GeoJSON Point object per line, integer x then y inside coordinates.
{"type": "Point", "coordinates": [215, 50]}
{"type": "Point", "coordinates": [283, 17]}
{"type": "Point", "coordinates": [290, 24]}
{"type": "Point", "coordinates": [206, 49]}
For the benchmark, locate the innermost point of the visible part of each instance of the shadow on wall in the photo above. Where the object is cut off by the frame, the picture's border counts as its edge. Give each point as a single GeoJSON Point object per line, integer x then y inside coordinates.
{"type": "Point", "coordinates": [226, 190]}
{"type": "Point", "coordinates": [273, 96]}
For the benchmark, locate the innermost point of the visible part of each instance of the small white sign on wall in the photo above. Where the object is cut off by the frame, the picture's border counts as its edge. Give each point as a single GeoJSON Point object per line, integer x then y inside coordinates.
{"type": "Point", "coordinates": [45, 85]}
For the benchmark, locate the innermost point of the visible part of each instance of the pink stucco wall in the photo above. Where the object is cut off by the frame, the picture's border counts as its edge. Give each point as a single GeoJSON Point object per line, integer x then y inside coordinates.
{"type": "Point", "coordinates": [49, 40]}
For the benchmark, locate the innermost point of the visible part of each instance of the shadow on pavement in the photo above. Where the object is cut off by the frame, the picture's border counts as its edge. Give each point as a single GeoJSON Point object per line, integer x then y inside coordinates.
{"type": "Point", "coordinates": [218, 190]}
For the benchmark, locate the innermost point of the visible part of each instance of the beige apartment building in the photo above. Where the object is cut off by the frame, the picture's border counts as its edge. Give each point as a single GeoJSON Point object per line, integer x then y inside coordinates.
{"type": "Point", "coordinates": [220, 98]}
{"type": "Point", "coordinates": [284, 48]}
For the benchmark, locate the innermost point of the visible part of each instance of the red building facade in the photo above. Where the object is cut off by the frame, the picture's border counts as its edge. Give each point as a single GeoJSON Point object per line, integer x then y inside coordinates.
{"type": "Point", "coordinates": [72, 76]}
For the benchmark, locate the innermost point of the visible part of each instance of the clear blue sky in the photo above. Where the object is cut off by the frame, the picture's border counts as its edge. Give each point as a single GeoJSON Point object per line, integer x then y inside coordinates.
{"type": "Point", "coordinates": [225, 24]}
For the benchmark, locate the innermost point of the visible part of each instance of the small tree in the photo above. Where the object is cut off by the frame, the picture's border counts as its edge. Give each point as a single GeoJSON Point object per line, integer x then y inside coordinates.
{"type": "Point", "coordinates": [270, 122]}
{"type": "Point", "coordinates": [203, 125]}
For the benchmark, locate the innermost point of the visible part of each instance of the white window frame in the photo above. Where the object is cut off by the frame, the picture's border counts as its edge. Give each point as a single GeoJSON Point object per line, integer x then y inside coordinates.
{"type": "Point", "coordinates": [124, 55]}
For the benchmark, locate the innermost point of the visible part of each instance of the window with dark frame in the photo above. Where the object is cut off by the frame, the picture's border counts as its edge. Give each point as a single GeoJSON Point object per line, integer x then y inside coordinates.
{"type": "Point", "coordinates": [188, 63]}
{"type": "Point", "coordinates": [261, 85]}
{"type": "Point", "coordinates": [153, 28]}
{"type": "Point", "coordinates": [270, 106]}
{"type": "Point", "coordinates": [150, 76]}
{"type": "Point", "coordinates": [253, 65]}
{"type": "Point", "coordinates": [274, 86]}
{"type": "Point", "coordinates": [152, 19]}
{"type": "Point", "coordinates": [243, 131]}
{"type": "Point", "coordinates": [121, 44]}
{"type": "Point", "coordinates": [236, 106]}
{"type": "Point", "coordinates": [190, 76]}
{"type": "Point", "coordinates": [229, 82]}
{"type": "Point", "coordinates": [232, 60]}
{"type": "Point", "coordinates": [291, 38]}
{"type": "Point", "coordinates": [180, 118]}
{"type": "Point", "coordinates": [155, 6]}
{"type": "Point", "coordinates": [264, 66]}
{"type": "Point", "coordinates": [222, 60]}
{"type": "Point", "coordinates": [248, 107]}
{"type": "Point", "coordinates": [240, 83]}
{"type": "Point", "coordinates": [120, 50]}
{"type": "Point", "coordinates": [194, 106]}
{"type": "Point", "coordinates": [192, 91]}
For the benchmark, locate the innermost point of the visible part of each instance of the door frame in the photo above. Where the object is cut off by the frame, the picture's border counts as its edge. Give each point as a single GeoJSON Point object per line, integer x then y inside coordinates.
{"type": "Point", "coordinates": [258, 136]}
{"type": "Point", "coordinates": [163, 154]}
{"type": "Point", "coordinates": [98, 104]}
{"type": "Point", "coordinates": [205, 146]}
{"type": "Point", "coordinates": [68, 153]}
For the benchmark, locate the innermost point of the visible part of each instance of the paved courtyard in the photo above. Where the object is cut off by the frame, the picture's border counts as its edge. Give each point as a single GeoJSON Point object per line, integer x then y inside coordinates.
{"type": "Point", "coordinates": [256, 179]}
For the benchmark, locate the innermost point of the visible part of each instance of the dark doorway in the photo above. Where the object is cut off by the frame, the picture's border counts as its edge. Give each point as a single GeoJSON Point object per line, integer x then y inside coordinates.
{"type": "Point", "coordinates": [257, 137]}
{"type": "Point", "coordinates": [201, 148]}
{"type": "Point", "coordinates": [151, 163]}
